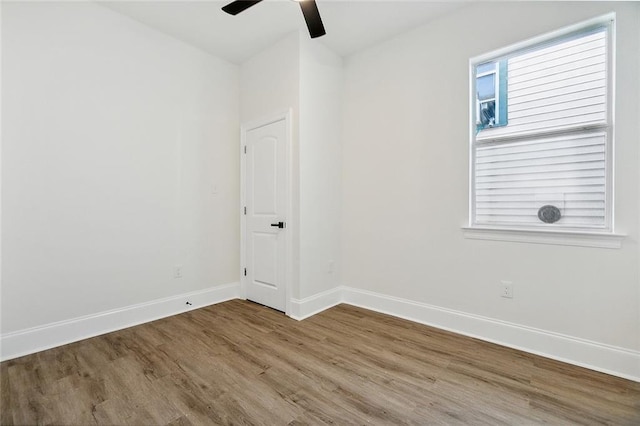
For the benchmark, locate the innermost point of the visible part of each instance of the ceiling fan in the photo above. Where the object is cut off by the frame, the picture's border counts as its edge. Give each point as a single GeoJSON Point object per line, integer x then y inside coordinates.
{"type": "Point", "coordinates": [309, 11]}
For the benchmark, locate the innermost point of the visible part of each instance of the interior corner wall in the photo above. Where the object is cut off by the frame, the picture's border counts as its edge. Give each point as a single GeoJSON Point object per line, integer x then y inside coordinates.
{"type": "Point", "coordinates": [406, 182]}
{"type": "Point", "coordinates": [120, 161]}
{"type": "Point", "coordinates": [1, 72]}
{"type": "Point", "coordinates": [321, 86]}
{"type": "Point", "coordinates": [637, 25]}
{"type": "Point", "coordinates": [302, 75]}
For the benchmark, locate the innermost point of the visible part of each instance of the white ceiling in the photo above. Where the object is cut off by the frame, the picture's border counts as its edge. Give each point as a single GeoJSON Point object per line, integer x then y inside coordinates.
{"type": "Point", "coordinates": [351, 25]}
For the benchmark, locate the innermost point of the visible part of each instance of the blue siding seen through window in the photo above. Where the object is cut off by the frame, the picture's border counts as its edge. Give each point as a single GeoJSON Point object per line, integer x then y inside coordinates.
{"type": "Point", "coordinates": [491, 94]}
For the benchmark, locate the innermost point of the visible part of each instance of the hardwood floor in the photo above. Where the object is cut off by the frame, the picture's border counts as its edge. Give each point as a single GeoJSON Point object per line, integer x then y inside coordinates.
{"type": "Point", "coordinates": [242, 363]}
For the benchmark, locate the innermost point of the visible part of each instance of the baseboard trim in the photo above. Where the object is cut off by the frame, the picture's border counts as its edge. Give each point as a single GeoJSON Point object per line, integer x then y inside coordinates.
{"type": "Point", "coordinates": [309, 306]}
{"type": "Point", "coordinates": [596, 356]}
{"type": "Point", "coordinates": [28, 341]}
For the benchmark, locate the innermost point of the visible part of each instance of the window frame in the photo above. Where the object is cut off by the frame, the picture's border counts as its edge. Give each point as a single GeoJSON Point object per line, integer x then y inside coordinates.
{"type": "Point", "coordinates": [533, 233]}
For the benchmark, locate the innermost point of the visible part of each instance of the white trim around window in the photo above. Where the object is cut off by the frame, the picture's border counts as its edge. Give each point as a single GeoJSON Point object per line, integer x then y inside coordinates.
{"type": "Point", "coordinates": [552, 237]}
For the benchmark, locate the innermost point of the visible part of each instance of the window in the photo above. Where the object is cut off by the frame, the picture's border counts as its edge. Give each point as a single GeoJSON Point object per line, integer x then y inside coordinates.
{"type": "Point", "coordinates": [541, 138]}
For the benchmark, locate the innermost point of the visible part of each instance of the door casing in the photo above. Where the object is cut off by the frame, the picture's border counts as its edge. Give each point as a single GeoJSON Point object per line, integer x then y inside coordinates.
{"type": "Point", "coordinates": [291, 226]}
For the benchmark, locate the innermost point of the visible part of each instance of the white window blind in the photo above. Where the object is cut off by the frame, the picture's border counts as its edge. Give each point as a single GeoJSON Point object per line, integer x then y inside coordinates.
{"type": "Point", "coordinates": [554, 149]}
{"type": "Point", "coordinates": [514, 180]}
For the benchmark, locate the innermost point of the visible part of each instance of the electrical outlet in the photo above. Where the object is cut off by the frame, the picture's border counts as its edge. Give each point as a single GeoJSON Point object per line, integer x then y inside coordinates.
{"type": "Point", "coordinates": [506, 289]}
{"type": "Point", "coordinates": [177, 271]}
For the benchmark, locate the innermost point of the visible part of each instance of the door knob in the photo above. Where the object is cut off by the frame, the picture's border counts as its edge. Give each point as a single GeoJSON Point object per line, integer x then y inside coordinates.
{"type": "Point", "coordinates": [279, 225]}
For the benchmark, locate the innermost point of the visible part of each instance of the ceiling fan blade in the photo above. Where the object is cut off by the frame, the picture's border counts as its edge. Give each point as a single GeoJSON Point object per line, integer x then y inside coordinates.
{"type": "Point", "coordinates": [238, 6]}
{"type": "Point", "coordinates": [312, 17]}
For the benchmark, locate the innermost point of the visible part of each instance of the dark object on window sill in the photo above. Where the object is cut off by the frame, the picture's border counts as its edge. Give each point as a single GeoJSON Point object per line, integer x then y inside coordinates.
{"type": "Point", "coordinates": [549, 214]}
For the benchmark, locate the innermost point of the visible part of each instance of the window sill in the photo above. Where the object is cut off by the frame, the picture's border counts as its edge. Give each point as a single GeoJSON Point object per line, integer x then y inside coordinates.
{"type": "Point", "coordinates": [562, 238]}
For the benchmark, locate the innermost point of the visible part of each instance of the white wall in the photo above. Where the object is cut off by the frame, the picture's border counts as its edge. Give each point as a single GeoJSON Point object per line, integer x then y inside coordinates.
{"type": "Point", "coordinates": [1, 73]}
{"type": "Point", "coordinates": [114, 137]}
{"type": "Point", "coordinates": [321, 78]}
{"type": "Point", "coordinates": [637, 25]}
{"type": "Point", "coordinates": [269, 81]}
{"type": "Point", "coordinates": [405, 182]}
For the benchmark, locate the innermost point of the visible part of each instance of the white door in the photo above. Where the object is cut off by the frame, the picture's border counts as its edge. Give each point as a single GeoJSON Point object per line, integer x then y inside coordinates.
{"type": "Point", "coordinates": [266, 204]}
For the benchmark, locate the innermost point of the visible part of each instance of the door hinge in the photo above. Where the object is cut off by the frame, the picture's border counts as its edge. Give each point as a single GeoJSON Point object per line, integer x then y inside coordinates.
{"type": "Point", "coordinates": [245, 209]}
{"type": "Point", "coordinates": [245, 149]}
{"type": "Point", "coordinates": [245, 272]}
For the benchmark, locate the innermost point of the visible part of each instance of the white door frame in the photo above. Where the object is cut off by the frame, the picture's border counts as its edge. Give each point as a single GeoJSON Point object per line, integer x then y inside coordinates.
{"type": "Point", "coordinates": [244, 129]}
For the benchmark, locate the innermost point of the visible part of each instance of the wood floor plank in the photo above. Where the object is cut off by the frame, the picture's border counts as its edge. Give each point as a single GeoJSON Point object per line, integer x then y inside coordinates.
{"type": "Point", "coordinates": [6, 414]}
{"type": "Point", "coordinates": [197, 404]}
{"type": "Point", "coordinates": [242, 363]}
{"type": "Point", "coordinates": [28, 404]}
